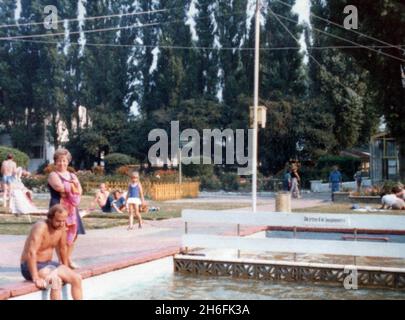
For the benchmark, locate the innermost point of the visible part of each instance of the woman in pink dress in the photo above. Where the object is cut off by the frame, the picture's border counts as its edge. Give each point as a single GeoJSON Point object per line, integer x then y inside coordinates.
{"type": "Point", "coordinates": [66, 190]}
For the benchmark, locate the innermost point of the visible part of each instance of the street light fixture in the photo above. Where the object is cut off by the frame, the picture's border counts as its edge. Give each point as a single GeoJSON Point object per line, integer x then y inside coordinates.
{"type": "Point", "coordinates": [261, 116]}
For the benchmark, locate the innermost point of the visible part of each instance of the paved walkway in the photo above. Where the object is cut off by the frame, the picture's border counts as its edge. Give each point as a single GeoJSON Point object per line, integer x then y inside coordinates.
{"type": "Point", "coordinates": [106, 245]}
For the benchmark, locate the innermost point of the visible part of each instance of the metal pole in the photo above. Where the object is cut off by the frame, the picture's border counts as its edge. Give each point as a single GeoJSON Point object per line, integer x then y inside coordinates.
{"type": "Point", "coordinates": [295, 237]}
{"type": "Point", "coordinates": [355, 239]}
{"type": "Point", "coordinates": [238, 232]}
{"type": "Point", "coordinates": [255, 105]}
{"type": "Point", "coordinates": [180, 169]}
{"type": "Point", "coordinates": [185, 232]}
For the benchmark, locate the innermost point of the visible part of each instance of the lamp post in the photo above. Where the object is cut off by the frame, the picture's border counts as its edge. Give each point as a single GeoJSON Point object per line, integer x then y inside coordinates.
{"type": "Point", "coordinates": [180, 169]}
{"type": "Point", "coordinates": [255, 105]}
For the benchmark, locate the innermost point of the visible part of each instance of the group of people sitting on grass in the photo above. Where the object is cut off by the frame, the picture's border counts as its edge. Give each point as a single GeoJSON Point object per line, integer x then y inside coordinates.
{"type": "Point", "coordinates": [395, 199]}
{"type": "Point", "coordinates": [110, 202]}
{"type": "Point", "coordinates": [117, 201]}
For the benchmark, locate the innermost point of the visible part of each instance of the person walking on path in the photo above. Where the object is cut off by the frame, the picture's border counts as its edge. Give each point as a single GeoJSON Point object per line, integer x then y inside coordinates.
{"type": "Point", "coordinates": [36, 259]}
{"type": "Point", "coordinates": [287, 179]}
{"type": "Point", "coordinates": [134, 199]}
{"type": "Point", "coordinates": [335, 180]}
{"type": "Point", "coordinates": [66, 190]}
{"type": "Point", "coordinates": [358, 178]}
{"type": "Point", "coordinates": [295, 182]}
{"type": "Point", "coordinates": [8, 170]}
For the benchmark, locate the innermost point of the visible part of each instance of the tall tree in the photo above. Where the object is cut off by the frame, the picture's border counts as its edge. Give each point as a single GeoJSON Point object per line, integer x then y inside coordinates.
{"type": "Point", "coordinates": [345, 86]}
{"type": "Point", "coordinates": [382, 20]}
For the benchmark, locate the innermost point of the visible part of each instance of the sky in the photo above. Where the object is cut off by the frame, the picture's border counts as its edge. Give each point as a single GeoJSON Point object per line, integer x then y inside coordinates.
{"type": "Point", "coordinates": [302, 8]}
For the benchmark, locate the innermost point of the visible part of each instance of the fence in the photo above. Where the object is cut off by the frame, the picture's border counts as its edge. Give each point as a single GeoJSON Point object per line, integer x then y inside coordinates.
{"type": "Point", "coordinates": [155, 191]}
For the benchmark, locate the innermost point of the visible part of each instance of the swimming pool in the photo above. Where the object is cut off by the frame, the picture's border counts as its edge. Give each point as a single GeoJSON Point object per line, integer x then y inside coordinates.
{"type": "Point", "coordinates": [156, 280]}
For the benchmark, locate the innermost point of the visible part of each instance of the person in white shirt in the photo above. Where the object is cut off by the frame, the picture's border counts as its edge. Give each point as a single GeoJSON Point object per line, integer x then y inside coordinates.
{"type": "Point", "coordinates": [392, 201]}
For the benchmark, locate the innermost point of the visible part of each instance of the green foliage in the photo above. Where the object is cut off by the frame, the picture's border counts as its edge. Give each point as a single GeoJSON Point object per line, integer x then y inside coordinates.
{"type": "Point", "coordinates": [86, 147]}
{"type": "Point", "coordinates": [19, 157]}
{"type": "Point", "coordinates": [198, 169]}
{"type": "Point", "coordinates": [201, 88]}
{"type": "Point", "coordinates": [311, 173]}
{"type": "Point", "coordinates": [210, 183]}
{"type": "Point", "coordinates": [348, 166]}
{"type": "Point", "coordinates": [382, 20]}
{"type": "Point", "coordinates": [115, 160]}
{"type": "Point", "coordinates": [347, 91]}
{"type": "Point", "coordinates": [387, 186]}
{"type": "Point", "coordinates": [42, 167]}
{"type": "Point", "coordinates": [37, 183]}
{"type": "Point", "coordinates": [230, 181]}
{"type": "Point", "coordinates": [204, 172]}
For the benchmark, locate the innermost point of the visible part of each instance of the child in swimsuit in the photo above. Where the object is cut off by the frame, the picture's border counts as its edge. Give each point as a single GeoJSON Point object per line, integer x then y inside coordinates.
{"type": "Point", "coordinates": [134, 199]}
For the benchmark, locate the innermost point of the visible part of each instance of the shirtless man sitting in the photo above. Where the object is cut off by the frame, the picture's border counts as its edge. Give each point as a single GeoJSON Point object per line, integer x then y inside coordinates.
{"type": "Point", "coordinates": [103, 198]}
{"type": "Point", "coordinates": [36, 259]}
{"type": "Point", "coordinates": [8, 169]}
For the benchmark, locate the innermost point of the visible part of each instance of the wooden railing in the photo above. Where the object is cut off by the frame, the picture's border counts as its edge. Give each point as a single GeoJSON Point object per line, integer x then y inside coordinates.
{"type": "Point", "coordinates": [154, 191]}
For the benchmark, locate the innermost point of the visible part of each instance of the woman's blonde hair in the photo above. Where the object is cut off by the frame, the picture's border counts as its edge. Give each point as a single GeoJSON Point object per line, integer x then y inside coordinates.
{"type": "Point", "coordinates": [62, 152]}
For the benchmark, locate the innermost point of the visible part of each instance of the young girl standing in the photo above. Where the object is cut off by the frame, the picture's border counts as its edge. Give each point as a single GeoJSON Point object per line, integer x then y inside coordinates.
{"type": "Point", "coordinates": [134, 199]}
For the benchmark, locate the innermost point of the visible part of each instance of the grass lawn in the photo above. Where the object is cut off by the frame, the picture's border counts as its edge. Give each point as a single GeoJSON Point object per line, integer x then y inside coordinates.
{"type": "Point", "coordinates": [13, 225]}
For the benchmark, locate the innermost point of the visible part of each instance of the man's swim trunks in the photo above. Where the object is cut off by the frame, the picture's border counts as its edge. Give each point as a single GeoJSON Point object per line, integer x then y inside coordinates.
{"type": "Point", "coordinates": [8, 179]}
{"type": "Point", "coordinates": [25, 271]}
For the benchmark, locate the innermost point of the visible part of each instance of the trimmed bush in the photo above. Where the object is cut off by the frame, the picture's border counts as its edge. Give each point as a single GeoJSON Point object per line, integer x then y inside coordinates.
{"type": "Point", "coordinates": [230, 181]}
{"type": "Point", "coordinates": [211, 183]}
{"type": "Point", "coordinates": [115, 160]}
{"type": "Point", "coordinates": [198, 170]}
{"type": "Point", "coordinates": [20, 157]}
{"type": "Point", "coordinates": [37, 183]}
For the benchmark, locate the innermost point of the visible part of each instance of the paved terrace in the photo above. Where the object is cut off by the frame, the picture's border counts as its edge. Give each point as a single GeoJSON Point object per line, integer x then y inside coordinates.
{"type": "Point", "coordinates": [104, 250]}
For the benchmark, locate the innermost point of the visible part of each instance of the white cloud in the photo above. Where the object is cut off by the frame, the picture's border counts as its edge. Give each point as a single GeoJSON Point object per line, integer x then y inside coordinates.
{"type": "Point", "coordinates": [81, 13]}
{"type": "Point", "coordinates": [302, 7]}
{"type": "Point", "coordinates": [191, 14]}
{"type": "Point", "coordinates": [18, 10]}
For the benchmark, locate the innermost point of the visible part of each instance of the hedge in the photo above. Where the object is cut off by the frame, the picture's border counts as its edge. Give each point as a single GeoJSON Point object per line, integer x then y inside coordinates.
{"type": "Point", "coordinates": [115, 160]}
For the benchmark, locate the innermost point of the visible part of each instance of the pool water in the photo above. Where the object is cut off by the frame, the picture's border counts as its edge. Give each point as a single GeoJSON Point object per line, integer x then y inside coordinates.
{"type": "Point", "coordinates": [156, 280]}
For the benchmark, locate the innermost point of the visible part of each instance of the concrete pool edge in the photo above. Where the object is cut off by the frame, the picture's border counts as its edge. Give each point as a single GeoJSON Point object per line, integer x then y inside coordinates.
{"type": "Point", "coordinates": [13, 290]}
